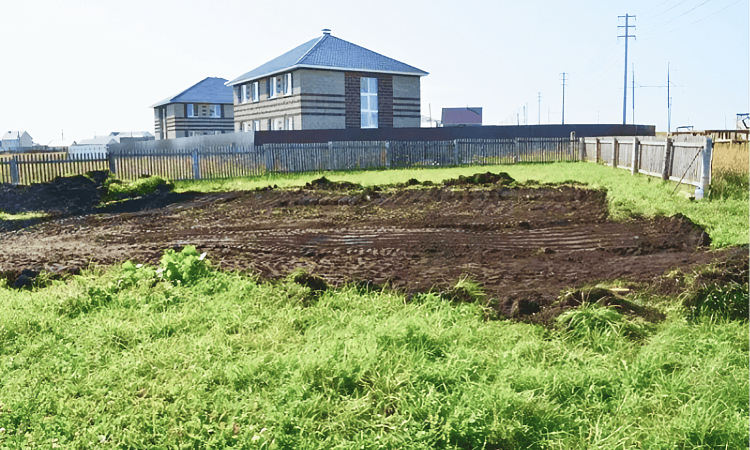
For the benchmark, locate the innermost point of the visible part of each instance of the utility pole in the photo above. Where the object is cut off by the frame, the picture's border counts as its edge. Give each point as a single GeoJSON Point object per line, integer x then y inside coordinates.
{"type": "Point", "coordinates": [633, 77]}
{"type": "Point", "coordinates": [625, 87]}
{"type": "Point", "coordinates": [540, 109]}
{"type": "Point", "coordinates": [669, 105]}
{"type": "Point", "coordinates": [563, 103]}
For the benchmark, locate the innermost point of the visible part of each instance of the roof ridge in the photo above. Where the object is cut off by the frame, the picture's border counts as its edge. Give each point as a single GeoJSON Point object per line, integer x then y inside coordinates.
{"type": "Point", "coordinates": [310, 49]}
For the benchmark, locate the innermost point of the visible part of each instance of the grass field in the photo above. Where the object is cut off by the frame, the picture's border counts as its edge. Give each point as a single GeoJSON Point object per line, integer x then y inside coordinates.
{"type": "Point", "coordinates": [725, 219]}
{"type": "Point", "coordinates": [182, 356]}
{"type": "Point", "coordinates": [200, 359]}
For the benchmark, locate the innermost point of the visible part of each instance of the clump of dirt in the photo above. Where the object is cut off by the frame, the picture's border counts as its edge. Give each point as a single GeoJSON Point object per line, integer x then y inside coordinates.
{"type": "Point", "coordinates": [328, 185]}
{"type": "Point", "coordinates": [481, 179]}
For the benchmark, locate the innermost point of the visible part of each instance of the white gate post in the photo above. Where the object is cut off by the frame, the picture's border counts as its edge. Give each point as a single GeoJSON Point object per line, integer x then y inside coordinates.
{"type": "Point", "coordinates": [706, 169]}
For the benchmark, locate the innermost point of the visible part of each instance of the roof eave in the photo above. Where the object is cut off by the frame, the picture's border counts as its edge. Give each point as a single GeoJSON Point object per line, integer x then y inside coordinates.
{"type": "Point", "coordinates": [237, 81]}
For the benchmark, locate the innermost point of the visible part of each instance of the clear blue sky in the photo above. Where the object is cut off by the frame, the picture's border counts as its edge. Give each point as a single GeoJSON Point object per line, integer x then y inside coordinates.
{"type": "Point", "coordinates": [95, 66]}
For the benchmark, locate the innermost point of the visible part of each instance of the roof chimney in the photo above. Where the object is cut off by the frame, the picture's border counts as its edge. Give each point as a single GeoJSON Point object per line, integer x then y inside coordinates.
{"type": "Point", "coordinates": [326, 31]}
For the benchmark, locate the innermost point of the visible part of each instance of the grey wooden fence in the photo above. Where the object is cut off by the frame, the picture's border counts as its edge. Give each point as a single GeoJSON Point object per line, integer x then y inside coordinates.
{"type": "Point", "coordinates": [685, 159]}
{"type": "Point", "coordinates": [213, 162]}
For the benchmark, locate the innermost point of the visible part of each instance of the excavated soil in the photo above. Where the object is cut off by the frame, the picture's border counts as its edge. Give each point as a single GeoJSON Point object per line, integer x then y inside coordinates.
{"type": "Point", "coordinates": [524, 245]}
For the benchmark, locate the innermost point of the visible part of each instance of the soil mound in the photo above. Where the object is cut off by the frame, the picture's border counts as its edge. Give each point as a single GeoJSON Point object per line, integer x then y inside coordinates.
{"type": "Point", "coordinates": [62, 196]}
{"type": "Point", "coordinates": [481, 179]}
{"type": "Point", "coordinates": [324, 183]}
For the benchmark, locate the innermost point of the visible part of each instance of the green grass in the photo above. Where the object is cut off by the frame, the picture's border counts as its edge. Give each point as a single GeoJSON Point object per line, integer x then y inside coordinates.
{"type": "Point", "coordinates": [22, 216]}
{"type": "Point", "coordinates": [140, 358]}
{"type": "Point", "coordinates": [725, 217]}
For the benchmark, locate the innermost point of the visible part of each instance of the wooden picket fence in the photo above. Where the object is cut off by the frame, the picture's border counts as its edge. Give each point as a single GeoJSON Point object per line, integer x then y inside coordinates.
{"type": "Point", "coordinates": [218, 162]}
{"type": "Point", "coordinates": [685, 159]}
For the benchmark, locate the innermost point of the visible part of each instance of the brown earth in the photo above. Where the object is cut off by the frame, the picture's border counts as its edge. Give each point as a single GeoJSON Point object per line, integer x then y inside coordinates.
{"type": "Point", "coordinates": [524, 245]}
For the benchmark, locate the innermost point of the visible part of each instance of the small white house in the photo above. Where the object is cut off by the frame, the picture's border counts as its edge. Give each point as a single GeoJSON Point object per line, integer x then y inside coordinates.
{"type": "Point", "coordinates": [99, 145]}
{"type": "Point", "coordinates": [94, 148]}
{"type": "Point", "coordinates": [16, 141]}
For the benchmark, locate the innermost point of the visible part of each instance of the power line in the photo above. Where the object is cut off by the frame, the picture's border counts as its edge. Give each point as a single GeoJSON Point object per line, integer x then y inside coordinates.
{"type": "Point", "coordinates": [648, 38]}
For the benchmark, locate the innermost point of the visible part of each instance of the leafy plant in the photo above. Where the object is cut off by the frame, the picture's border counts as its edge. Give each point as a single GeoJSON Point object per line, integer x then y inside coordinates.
{"type": "Point", "coordinates": [185, 267]}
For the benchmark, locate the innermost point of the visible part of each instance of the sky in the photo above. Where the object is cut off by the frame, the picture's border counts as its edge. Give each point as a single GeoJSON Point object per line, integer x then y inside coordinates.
{"type": "Point", "coordinates": [88, 67]}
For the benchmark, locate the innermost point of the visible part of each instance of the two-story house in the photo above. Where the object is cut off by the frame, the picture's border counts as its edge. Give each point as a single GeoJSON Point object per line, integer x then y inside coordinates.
{"type": "Point", "coordinates": [204, 108]}
{"type": "Point", "coordinates": [327, 83]}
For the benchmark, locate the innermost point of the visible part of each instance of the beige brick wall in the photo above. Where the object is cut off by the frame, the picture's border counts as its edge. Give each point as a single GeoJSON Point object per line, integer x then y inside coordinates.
{"type": "Point", "coordinates": [405, 87]}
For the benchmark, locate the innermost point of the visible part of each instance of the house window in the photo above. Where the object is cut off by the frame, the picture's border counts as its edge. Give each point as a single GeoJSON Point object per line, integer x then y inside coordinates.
{"type": "Point", "coordinates": [256, 125]}
{"type": "Point", "coordinates": [288, 84]}
{"type": "Point", "coordinates": [254, 89]}
{"type": "Point", "coordinates": [217, 132]}
{"type": "Point", "coordinates": [277, 124]}
{"type": "Point", "coordinates": [272, 87]}
{"type": "Point", "coordinates": [243, 93]}
{"type": "Point", "coordinates": [193, 133]}
{"type": "Point", "coordinates": [247, 126]}
{"type": "Point", "coordinates": [290, 123]}
{"type": "Point", "coordinates": [368, 89]}
{"type": "Point", "coordinates": [192, 111]}
{"type": "Point", "coordinates": [215, 111]}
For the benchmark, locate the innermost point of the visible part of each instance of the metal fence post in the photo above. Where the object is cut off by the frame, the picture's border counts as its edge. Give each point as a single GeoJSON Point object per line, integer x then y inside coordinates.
{"type": "Point", "coordinates": [388, 154]}
{"type": "Point", "coordinates": [14, 179]}
{"type": "Point", "coordinates": [196, 166]}
{"type": "Point", "coordinates": [598, 151]}
{"type": "Point", "coordinates": [635, 157]}
{"type": "Point", "coordinates": [456, 162]}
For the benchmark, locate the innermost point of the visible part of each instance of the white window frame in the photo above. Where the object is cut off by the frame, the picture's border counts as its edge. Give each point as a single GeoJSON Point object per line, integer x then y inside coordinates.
{"type": "Point", "coordinates": [290, 123]}
{"type": "Point", "coordinates": [256, 125]}
{"type": "Point", "coordinates": [272, 87]}
{"type": "Point", "coordinates": [288, 83]}
{"type": "Point", "coordinates": [190, 110]}
{"type": "Point", "coordinates": [247, 126]}
{"type": "Point", "coordinates": [193, 133]}
{"type": "Point", "coordinates": [368, 88]}
{"type": "Point", "coordinates": [215, 111]}
{"type": "Point", "coordinates": [254, 92]}
{"type": "Point", "coordinates": [277, 124]}
{"type": "Point", "coordinates": [243, 94]}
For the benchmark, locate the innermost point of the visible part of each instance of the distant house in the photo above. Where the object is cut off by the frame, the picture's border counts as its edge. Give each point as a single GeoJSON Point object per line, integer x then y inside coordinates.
{"type": "Point", "coordinates": [99, 145]}
{"type": "Point", "coordinates": [461, 117]}
{"type": "Point", "coordinates": [204, 108]}
{"type": "Point", "coordinates": [327, 83]}
{"type": "Point", "coordinates": [16, 141]}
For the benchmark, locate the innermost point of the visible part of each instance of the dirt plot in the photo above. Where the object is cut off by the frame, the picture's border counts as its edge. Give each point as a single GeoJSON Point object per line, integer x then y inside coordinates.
{"type": "Point", "coordinates": [523, 244]}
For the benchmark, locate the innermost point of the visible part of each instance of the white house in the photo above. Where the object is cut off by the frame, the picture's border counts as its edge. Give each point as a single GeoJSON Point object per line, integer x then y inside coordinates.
{"type": "Point", "coordinates": [16, 141]}
{"type": "Point", "coordinates": [96, 147]}
{"type": "Point", "coordinates": [99, 145]}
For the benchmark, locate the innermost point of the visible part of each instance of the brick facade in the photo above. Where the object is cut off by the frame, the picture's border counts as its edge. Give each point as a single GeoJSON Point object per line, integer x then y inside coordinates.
{"type": "Point", "coordinates": [329, 99]}
{"type": "Point", "coordinates": [178, 125]}
{"type": "Point", "coordinates": [354, 102]}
